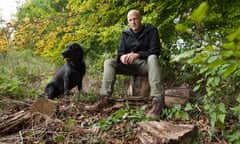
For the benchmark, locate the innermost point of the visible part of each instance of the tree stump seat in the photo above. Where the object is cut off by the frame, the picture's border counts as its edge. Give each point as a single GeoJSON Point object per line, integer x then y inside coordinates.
{"type": "Point", "coordinates": [139, 87]}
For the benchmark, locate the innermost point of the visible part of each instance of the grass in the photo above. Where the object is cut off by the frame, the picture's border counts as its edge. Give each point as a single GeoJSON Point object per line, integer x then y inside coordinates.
{"type": "Point", "coordinates": [23, 74]}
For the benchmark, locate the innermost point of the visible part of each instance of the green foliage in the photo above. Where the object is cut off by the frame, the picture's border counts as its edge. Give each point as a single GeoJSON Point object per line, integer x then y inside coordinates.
{"type": "Point", "coordinates": [217, 113]}
{"type": "Point", "coordinates": [70, 122]}
{"type": "Point", "coordinates": [177, 112]}
{"type": "Point", "coordinates": [216, 61]}
{"type": "Point", "coordinates": [234, 135]}
{"type": "Point", "coordinates": [126, 115]}
{"type": "Point", "coordinates": [199, 13]}
{"type": "Point", "coordinates": [59, 139]}
{"type": "Point", "coordinates": [202, 38]}
{"type": "Point", "coordinates": [21, 74]}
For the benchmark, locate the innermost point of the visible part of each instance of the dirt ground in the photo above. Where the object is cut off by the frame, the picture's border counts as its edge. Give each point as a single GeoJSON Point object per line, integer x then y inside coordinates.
{"type": "Point", "coordinates": [71, 124]}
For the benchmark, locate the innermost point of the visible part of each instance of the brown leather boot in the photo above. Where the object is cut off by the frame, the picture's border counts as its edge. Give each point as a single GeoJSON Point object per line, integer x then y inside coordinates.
{"type": "Point", "coordinates": [103, 101]}
{"type": "Point", "coordinates": [156, 109]}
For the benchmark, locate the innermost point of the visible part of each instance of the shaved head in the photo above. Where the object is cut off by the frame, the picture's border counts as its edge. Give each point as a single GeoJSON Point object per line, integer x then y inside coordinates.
{"type": "Point", "coordinates": [134, 11]}
{"type": "Point", "coordinates": [134, 20]}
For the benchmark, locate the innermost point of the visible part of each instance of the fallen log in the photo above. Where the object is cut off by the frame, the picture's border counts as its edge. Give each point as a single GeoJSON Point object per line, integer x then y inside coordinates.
{"type": "Point", "coordinates": [153, 132]}
{"type": "Point", "coordinates": [39, 112]}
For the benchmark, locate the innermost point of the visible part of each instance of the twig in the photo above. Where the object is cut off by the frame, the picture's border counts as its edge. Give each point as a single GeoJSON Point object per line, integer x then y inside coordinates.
{"type": "Point", "coordinates": [20, 134]}
{"type": "Point", "coordinates": [13, 101]}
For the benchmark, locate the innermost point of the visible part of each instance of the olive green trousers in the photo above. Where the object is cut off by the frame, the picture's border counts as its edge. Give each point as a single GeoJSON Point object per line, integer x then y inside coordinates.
{"type": "Point", "coordinates": [150, 67]}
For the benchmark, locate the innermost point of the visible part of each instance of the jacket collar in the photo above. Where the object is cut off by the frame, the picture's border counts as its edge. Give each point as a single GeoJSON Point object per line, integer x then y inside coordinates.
{"type": "Point", "coordinates": [147, 28]}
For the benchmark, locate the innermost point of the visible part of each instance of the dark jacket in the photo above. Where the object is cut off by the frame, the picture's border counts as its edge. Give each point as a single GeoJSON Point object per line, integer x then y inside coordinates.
{"type": "Point", "coordinates": [147, 43]}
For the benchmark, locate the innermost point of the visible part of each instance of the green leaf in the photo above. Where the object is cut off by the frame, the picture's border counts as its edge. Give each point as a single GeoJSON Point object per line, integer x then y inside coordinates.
{"type": "Point", "coordinates": [230, 69]}
{"type": "Point", "coordinates": [185, 54]}
{"type": "Point", "coordinates": [199, 58]}
{"type": "Point", "coordinates": [213, 81]}
{"type": "Point", "coordinates": [221, 117]}
{"type": "Point", "coordinates": [120, 114]}
{"type": "Point", "coordinates": [227, 53]}
{"type": "Point", "coordinates": [70, 121]}
{"type": "Point", "coordinates": [213, 120]}
{"type": "Point", "coordinates": [182, 28]}
{"type": "Point", "coordinates": [188, 107]}
{"type": "Point", "coordinates": [58, 139]}
{"type": "Point", "coordinates": [221, 108]}
{"type": "Point", "coordinates": [215, 63]}
{"type": "Point", "coordinates": [199, 13]}
{"type": "Point", "coordinates": [196, 88]}
{"type": "Point", "coordinates": [235, 35]}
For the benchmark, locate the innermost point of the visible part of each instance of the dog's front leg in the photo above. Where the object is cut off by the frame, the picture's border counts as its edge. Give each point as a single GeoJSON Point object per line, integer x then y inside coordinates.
{"type": "Point", "coordinates": [66, 86]}
{"type": "Point", "coordinates": [79, 88]}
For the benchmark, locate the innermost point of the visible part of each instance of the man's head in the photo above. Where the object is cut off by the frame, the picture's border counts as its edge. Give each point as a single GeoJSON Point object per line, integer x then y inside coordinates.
{"type": "Point", "coordinates": [134, 20]}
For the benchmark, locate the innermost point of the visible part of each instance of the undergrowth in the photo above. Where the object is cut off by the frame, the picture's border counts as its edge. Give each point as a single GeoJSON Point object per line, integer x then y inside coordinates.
{"type": "Point", "coordinates": [23, 75]}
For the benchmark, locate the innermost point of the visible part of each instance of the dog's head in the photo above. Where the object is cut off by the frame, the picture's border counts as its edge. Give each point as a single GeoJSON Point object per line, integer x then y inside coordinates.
{"type": "Point", "coordinates": [73, 52]}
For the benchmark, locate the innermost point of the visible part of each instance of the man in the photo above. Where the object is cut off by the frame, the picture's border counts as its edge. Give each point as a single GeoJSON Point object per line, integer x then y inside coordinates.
{"type": "Point", "coordinates": [137, 55]}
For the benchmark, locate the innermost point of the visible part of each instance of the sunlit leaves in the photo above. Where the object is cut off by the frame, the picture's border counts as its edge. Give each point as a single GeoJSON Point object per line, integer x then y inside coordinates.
{"type": "Point", "coordinates": [182, 28]}
{"type": "Point", "coordinates": [217, 63]}
{"type": "Point", "coordinates": [199, 13]}
{"type": "Point", "coordinates": [234, 36]}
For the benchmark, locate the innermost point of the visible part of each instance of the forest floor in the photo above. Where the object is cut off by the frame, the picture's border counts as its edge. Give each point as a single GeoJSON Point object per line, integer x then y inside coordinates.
{"type": "Point", "coordinates": [71, 124]}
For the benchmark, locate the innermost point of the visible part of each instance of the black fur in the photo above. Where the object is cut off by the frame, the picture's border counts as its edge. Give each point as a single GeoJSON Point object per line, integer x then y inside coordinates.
{"type": "Point", "coordinates": [71, 73]}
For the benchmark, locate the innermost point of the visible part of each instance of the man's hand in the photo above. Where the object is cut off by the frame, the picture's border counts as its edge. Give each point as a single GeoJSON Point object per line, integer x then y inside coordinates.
{"type": "Point", "coordinates": [129, 58]}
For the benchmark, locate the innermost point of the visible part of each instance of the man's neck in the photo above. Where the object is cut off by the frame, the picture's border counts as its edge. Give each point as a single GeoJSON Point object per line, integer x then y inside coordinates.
{"type": "Point", "coordinates": [138, 30]}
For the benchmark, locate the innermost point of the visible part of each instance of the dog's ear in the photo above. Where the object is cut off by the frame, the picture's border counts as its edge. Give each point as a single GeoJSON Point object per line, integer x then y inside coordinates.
{"type": "Point", "coordinates": [75, 45]}
{"type": "Point", "coordinates": [68, 46]}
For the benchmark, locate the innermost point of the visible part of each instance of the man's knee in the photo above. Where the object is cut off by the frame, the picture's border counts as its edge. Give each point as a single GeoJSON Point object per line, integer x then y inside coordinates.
{"type": "Point", "coordinates": [109, 62]}
{"type": "Point", "coordinates": [153, 58]}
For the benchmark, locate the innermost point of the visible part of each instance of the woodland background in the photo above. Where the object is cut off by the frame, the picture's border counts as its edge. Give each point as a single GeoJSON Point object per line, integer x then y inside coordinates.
{"type": "Point", "coordinates": [200, 46]}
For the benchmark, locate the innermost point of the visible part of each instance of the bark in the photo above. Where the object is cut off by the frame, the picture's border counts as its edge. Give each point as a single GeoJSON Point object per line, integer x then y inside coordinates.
{"type": "Point", "coordinates": [153, 132]}
{"type": "Point", "coordinates": [139, 87]}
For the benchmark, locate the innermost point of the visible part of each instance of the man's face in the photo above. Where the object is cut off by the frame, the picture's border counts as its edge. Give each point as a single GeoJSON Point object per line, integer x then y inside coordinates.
{"type": "Point", "coordinates": [134, 21]}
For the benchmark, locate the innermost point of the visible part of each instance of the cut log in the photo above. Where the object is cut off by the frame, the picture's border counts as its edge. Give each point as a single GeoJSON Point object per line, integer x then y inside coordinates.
{"type": "Point", "coordinates": [153, 132]}
{"type": "Point", "coordinates": [177, 95]}
{"type": "Point", "coordinates": [139, 87]}
{"type": "Point", "coordinates": [44, 106]}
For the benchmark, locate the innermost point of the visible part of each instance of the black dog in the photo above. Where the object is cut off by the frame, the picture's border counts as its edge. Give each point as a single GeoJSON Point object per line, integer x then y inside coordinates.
{"type": "Point", "coordinates": [71, 73]}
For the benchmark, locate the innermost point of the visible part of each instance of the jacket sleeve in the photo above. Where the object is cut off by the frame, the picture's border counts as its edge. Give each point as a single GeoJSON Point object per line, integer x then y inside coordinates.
{"type": "Point", "coordinates": [121, 49]}
{"type": "Point", "coordinates": [153, 44]}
